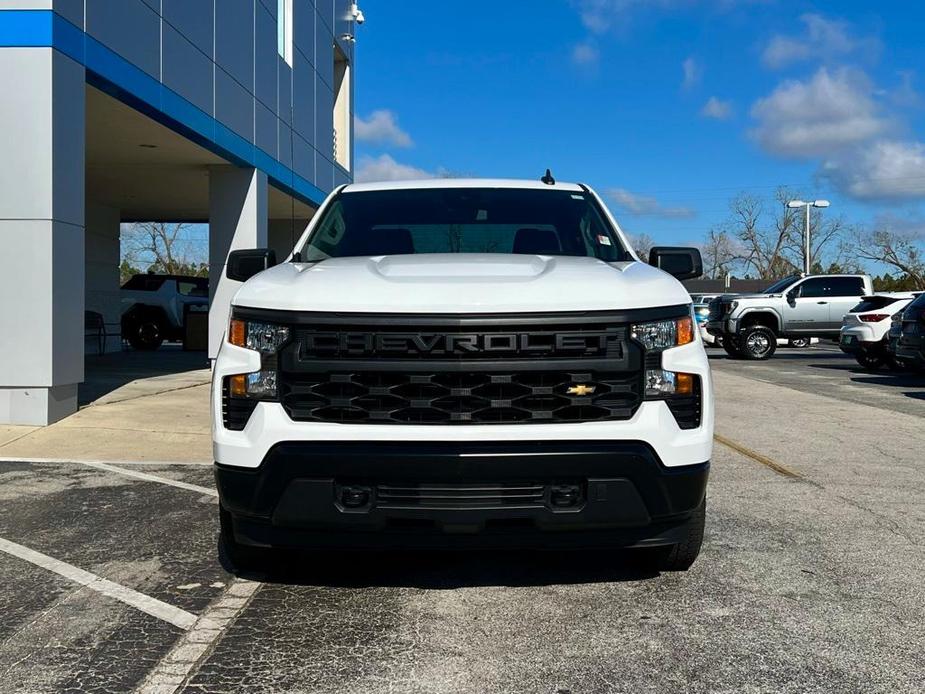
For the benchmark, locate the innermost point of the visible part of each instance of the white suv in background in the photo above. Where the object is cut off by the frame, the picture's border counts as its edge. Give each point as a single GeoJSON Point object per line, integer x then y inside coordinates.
{"type": "Point", "coordinates": [865, 328]}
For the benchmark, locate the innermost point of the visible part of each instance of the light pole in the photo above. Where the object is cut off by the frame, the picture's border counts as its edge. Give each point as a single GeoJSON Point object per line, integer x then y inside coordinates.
{"type": "Point", "coordinates": [793, 204]}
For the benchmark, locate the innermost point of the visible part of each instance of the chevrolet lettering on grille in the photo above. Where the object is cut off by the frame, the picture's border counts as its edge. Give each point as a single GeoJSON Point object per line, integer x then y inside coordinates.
{"type": "Point", "coordinates": [327, 344]}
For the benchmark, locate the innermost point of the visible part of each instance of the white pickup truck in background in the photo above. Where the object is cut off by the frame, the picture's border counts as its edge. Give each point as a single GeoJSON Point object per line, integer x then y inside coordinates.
{"type": "Point", "coordinates": [796, 307]}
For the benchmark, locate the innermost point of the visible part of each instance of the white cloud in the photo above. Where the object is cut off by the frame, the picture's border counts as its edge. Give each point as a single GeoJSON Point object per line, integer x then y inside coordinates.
{"type": "Point", "coordinates": [645, 205]}
{"type": "Point", "coordinates": [385, 168]}
{"type": "Point", "coordinates": [381, 128]}
{"type": "Point", "coordinates": [585, 54]}
{"type": "Point", "coordinates": [883, 170]}
{"type": "Point", "coordinates": [821, 116]}
{"type": "Point", "coordinates": [692, 73]}
{"type": "Point", "coordinates": [599, 16]}
{"type": "Point", "coordinates": [822, 39]}
{"type": "Point", "coordinates": [716, 109]}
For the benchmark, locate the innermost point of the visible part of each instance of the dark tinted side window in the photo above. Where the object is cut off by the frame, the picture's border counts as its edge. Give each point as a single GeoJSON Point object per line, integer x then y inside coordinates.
{"type": "Point", "coordinates": [193, 287]}
{"type": "Point", "coordinates": [846, 286]}
{"type": "Point", "coordinates": [813, 288]}
{"type": "Point", "coordinates": [144, 283]}
{"type": "Point", "coordinates": [873, 304]}
{"type": "Point", "coordinates": [832, 286]}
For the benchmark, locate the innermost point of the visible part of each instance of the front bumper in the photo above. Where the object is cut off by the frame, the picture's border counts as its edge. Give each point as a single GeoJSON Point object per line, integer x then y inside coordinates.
{"type": "Point", "coordinates": [461, 493]}
{"type": "Point", "coordinates": [719, 328]}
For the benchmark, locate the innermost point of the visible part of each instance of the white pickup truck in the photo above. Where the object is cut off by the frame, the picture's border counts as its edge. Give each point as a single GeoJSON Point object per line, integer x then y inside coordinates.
{"type": "Point", "coordinates": [795, 307]}
{"type": "Point", "coordinates": [463, 362]}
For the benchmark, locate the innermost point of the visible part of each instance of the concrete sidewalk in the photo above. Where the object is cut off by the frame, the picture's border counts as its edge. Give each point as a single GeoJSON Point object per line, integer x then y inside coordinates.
{"type": "Point", "coordinates": [161, 418]}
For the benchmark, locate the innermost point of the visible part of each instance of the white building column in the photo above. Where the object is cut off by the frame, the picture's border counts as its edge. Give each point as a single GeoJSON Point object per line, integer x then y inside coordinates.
{"type": "Point", "coordinates": [237, 220]}
{"type": "Point", "coordinates": [102, 275]}
{"type": "Point", "coordinates": [42, 115]}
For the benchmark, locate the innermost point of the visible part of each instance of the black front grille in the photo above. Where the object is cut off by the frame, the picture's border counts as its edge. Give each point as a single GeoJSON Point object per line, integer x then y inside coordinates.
{"type": "Point", "coordinates": [235, 411]}
{"type": "Point", "coordinates": [424, 397]}
{"type": "Point", "coordinates": [718, 309]}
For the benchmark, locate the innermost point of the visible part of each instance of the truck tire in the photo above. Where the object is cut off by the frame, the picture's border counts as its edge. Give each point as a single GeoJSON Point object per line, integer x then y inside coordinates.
{"type": "Point", "coordinates": [872, 361]}
{"type": "Point", "coordinates": [731, 345]}
{"type": "Point", "coordinates": [235, 557]}
{"type": "Point", "coordinates": [682, 555]}
{"type": "Point", "coordinates": [757, 343]}
{"type": "Point", "coordinates": [145, 333]}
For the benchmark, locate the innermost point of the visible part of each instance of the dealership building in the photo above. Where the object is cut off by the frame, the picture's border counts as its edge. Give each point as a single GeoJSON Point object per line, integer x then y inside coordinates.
{"type": "Point", "coordinates": [236, 113]}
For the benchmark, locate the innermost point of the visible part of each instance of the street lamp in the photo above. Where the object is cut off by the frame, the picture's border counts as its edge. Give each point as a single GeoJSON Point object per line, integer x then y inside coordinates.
{"type": "Point", "coordinates": [793, 204]}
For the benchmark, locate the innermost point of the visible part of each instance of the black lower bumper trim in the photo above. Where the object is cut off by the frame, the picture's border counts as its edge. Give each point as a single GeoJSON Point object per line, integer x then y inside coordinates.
{"type": "Point", "coordinates": [398, 494]}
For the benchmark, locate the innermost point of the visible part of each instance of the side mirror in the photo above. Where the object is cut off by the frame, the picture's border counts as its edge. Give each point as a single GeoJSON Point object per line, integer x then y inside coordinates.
{"type": "Point", "coordinates": [242, 265]}
{"type": "Point", "coordinates": [679, 262]}
{"type": "Point", "coordinates": [792, 296]}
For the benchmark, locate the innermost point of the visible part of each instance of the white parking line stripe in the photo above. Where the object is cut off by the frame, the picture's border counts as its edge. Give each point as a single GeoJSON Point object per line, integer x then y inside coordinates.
{"type": "Point", "coordinates": [175, 668]}
{"type": "Point", "coordinates": [140, 601]}
{"type": "Point", "coordinates": [109, 466]}
{"type": "Point", "coordinates": [152, 478]}
{"type": "Point", "coordinates": [71, 461]}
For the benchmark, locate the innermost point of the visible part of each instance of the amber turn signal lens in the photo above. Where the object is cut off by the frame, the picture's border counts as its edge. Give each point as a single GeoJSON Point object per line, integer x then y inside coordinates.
{"type": "Point", "coordinates": [684, 385]}
{"type": "Point", "coordinates": [685, 330]}
{"type": "Point", "coordinates": [238, 386]}
{"type": "Point", "coordinates": [237, 333]}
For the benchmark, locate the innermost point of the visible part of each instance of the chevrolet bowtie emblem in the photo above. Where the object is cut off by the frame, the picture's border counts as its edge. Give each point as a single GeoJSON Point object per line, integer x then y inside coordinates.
{"type": "Point", "coordinates": [581, 389]}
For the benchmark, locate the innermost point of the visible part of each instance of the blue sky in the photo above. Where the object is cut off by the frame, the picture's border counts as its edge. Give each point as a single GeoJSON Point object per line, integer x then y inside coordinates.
{"type": "Point", "coordinates": [667, 107]}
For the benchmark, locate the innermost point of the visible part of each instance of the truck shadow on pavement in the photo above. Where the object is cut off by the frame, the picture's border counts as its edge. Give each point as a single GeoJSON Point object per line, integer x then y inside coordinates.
{"type": "Point", "coordinates": [441, 570]}
{"type": "Point", "coordinates": [107, 373]}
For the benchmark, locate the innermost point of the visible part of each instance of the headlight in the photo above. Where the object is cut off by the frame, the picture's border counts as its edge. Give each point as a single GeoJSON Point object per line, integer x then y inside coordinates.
{"type": "Point", "coordinates": [265, 338]}
{"type": "Point", "coordinates": [661, 383]}
{"type": "Point", "coordinates": [664, 334]}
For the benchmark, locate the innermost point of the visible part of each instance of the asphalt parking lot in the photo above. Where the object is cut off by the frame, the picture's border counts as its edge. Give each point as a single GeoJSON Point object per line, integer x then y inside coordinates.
{"type": "Point", "coordinates": [812, 577]}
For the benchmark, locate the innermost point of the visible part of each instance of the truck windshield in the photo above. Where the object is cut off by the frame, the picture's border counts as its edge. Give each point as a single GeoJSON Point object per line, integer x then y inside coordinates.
{"type": "Point", "coordinates": [780, 285]}
{"type": "Point", "coordinates": [463, 220]}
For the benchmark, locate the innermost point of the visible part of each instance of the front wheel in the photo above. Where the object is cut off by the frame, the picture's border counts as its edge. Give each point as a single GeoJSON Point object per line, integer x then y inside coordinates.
{"type": "Point", "coordinates": [869, 360]}
{"type": "Point", "coordinates": [145, 334]}
{"type": "Point", "coordinates": [731, 346]}
{"type": "Point", "coordinates": [235, 557]}
{"type": "Point", "coordinates": [682, 555]}
{"type": "Point", "coordinates": [757, 343]}
{"type": "Point", "coordinates": [896, 365]}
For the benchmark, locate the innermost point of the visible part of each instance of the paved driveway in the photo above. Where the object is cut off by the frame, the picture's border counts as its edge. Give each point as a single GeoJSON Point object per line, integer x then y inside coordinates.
{"type": "Point", "coordinates": [812, 577]}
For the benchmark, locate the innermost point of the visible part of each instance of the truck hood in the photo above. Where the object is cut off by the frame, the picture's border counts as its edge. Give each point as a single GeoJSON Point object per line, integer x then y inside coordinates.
{"type": "Point", "coordinates": [461, 283]}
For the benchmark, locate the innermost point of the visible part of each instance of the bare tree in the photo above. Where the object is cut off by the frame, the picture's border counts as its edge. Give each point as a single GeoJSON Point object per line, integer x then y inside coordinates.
{"type": "Point", "coordinates": [900, 250]}
{"type": "Point", "coordinates": [642, 244]}
{"type": "Point", "coordinates": [763, 247]}
{"type": "Point", "coordinates": [720, 254]}
{"type": "Point", "coordinates": [162, 247]}
{"type": "Point", "coordinates": [772, 240]}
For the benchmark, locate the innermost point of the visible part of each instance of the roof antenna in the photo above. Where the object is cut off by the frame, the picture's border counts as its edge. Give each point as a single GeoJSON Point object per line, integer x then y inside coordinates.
{"type": "Point", "coordinates": [548, 179]}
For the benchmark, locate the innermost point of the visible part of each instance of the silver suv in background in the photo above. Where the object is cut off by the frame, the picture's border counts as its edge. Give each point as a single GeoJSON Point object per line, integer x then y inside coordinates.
{"type": "Point", "coordinates": [154, 307]}
{"type": "Point", "coordinates": [795, 307]}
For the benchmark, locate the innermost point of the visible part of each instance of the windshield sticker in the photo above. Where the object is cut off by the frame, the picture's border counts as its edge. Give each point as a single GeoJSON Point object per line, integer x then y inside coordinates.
{"type": "Point", "coordinates": [603, 240]}
{"type": "Point", "coordinates": [577, 197]}
{"type": "Point", "coordinates": [481, 216]}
